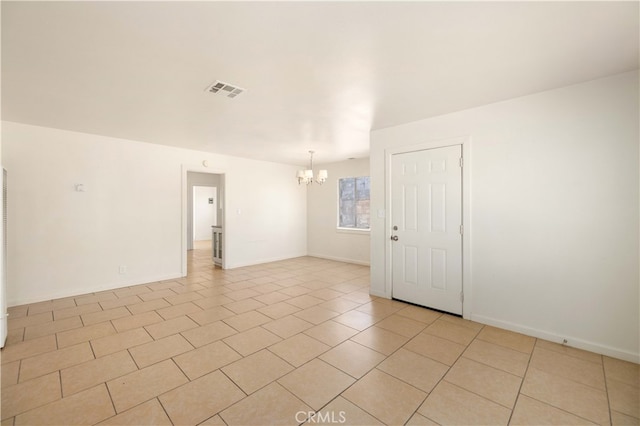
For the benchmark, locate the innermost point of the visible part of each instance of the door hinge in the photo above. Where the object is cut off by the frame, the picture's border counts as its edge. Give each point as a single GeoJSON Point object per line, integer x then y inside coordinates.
{"type": "Point", "coordinates": [461, 229]}
{"type": "Point", "coordinates": [462, 297]}
{"type": "Point", "coordinates": [461, 162]}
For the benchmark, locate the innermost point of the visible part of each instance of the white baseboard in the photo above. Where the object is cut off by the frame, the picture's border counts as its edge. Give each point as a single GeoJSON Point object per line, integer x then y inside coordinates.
{"type": "Point", "coordinates": [340, 259]}
{"type": "Point", "coordinates": [379, 294]}
{"type": "Point", "coordinates": [88, 290]}
{"type": "Point", "coordinates": [571, 341]}
{"type": "Point", "coordinates": [261, 261]}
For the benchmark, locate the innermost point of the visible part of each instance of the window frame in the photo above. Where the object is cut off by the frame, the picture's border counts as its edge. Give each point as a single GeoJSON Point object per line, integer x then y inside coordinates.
{"type": "Point", "coordinates": [348, 230]}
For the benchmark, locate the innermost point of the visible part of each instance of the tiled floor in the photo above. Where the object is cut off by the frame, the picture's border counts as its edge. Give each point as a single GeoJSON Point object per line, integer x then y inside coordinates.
{"type": "Point", "coordinates": [274, 343]}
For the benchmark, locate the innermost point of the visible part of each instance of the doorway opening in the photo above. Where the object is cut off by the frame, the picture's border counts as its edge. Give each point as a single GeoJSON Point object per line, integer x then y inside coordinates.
{"type": "Point", "coordinates": [203, 220]}
{"type": "Point", "coordinates": [204, 202]}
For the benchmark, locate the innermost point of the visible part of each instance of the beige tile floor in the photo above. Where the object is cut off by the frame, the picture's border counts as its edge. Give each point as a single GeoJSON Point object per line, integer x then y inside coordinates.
{"type": "Point", "coordinates": [275, 343]}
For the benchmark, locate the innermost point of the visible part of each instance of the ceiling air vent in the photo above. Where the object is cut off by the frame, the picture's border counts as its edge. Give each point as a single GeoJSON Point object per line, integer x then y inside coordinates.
{"type": "Point", "coordinates": [225, 89]}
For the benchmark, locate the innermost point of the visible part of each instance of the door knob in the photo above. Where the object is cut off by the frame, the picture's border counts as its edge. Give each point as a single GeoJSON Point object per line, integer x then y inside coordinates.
{"type": "Point", "coordinates": [394, 237]}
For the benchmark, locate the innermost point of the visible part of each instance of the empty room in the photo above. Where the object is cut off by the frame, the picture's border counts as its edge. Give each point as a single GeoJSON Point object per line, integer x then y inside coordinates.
{"type": "Point", "coordinates": [358, 213]}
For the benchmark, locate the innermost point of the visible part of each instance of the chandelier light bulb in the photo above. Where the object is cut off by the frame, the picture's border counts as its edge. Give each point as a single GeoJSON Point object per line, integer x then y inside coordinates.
{"type": "Point", "coordinates": [306, 175]}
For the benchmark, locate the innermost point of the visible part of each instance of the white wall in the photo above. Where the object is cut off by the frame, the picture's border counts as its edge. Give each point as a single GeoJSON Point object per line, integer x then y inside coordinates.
{"type": "Point", "coordinates": [63, 242]}
{"type": "Point", "coordinates": [554, 212]}
{"type": "Point", "coordinates": [323, 238]}
{"type": "Point", "coordinates": [205, 199]}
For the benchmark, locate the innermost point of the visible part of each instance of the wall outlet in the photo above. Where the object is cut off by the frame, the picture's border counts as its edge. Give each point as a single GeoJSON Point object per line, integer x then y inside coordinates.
{"type": "Point", "coordinates": [122, 269]}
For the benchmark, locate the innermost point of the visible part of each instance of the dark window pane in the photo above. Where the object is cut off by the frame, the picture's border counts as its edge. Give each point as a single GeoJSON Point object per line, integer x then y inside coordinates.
{"type": "Point", "coordinates": [353, 197]}
{"type": "Point", "coordinates": [347, 214]}
{"type": "Point", "coordinates": [347, 189]}
{"type": "Point", "coordinates": [362, 188]}
{"type": "Point", "coordinates": [362, 214]}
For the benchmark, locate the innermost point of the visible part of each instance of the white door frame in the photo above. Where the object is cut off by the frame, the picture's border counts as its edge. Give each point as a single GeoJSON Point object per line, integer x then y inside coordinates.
{"type": "Point", "coordinates": [223, 190]}
{"type": "Point", "coordinates": [465, 141]}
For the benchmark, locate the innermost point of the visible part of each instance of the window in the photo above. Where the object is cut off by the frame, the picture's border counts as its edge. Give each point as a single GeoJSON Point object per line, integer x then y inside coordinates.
{"type": "Point", "coordinates": [353, 203]}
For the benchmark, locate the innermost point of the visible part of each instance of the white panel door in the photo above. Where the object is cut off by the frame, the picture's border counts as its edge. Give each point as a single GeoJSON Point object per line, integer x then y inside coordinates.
{"type": "Point", "coordinates": [426, 216]}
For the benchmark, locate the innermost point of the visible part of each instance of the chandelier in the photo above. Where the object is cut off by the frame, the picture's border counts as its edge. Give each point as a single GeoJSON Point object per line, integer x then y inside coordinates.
{"type": "Point", "coordinates": [306, 176]}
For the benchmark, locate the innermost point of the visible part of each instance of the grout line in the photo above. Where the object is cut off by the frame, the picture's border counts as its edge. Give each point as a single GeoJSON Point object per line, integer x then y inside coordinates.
{"type": "Point", "coordinates": [92, 351]}
{"type": "Point", "coordinates": [552, 405]}
{"type": "Point", "coordinates": [60, 382]}
{"type": "Point", "coordinates": [238, 386]}
{"type": "Point", "coordinates": [524, 376]}
{"type": "Point", "coordinates": [163, 409]}
{"type": "Point", "coordinates": [606, 389]}
{"type": "Point", "coordinates": [19, 371]}
{"type": "Point", "coordinates": [134, 360]}
{"type": "Point", "coordinates": [560, 409]}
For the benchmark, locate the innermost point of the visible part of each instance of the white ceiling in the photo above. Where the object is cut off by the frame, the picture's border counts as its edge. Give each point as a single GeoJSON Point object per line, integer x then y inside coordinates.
{"type": "Point", "coordinates": [319, 75]}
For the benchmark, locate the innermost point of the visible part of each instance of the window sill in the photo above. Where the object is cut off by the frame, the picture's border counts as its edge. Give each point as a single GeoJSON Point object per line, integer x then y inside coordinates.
{"type": "Point", "coordinates": [354, 231]}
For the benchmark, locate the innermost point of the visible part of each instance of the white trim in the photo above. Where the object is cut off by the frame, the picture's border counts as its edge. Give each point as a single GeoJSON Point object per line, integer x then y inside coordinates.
{"type": "Point", "coordinates": [465, 142]}
{"type": "Point", "coordinates": [340, 259]}
{"type": "Point", "coordinates": [3, 268]}
{"type": "Point", "coordinates": [552, 337]}
{"type": "Point", "coordinates": [261, 261]}
{"type": "Point", "coordinates": [83, 291]}
{"type": "Point", "coordinates": [223, 189]}
{"type": "Point", "coordinates": [378, 294]}
{"type": "Point", "coordinates": [353, 231]}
